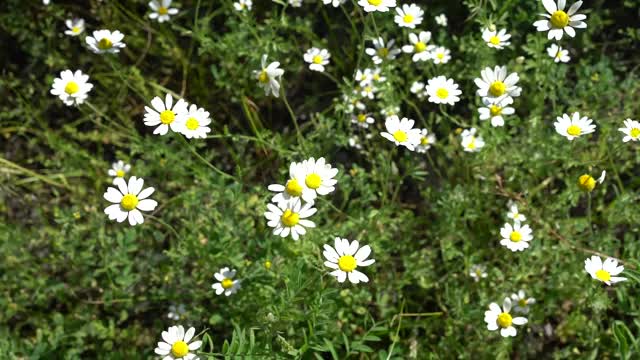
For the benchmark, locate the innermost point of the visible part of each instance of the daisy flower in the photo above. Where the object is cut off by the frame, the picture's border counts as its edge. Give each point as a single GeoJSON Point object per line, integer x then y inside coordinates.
{"type": "Point", "coordinates": [440, 55]}
{"type": "Point", "coordinates": [442, 91]}
{"type": "Point", "coordinates": [574, 126]}
{"type": "Point", "coordinates": [290, 218]}
{"type": "Point", "coordinates": [105, 41]}
{"type": "Point", "coordinates": [441, 20]}
{"type": "Point", "coordinates": [161, 10]}
{"type": "Point", "coordinates": [409, 16]}
{"type": "Point", "coordinates": [72, 88]}
{"type": "Point", "coordinates": [470, 142]}
{"type": "Point", "coordinates": [335, 3]}
{"type": "Point", "coordinates": [605, 272]}
{"type": "Point", "coordinates": [381, 52]}
{"type": "Point", "coordinates": [502, 319]}
{"type": "Point", "coordinates": [377, 5]}
{"type": "Point", "coordinates": [521, 302]}
{"type": "Point", "coordinates": [242, 5]}
{"type": "Point", "coordinates": [587, 183]}
{"type": "Point", "coordinates": [165, 114]}
{"type": "Point", "coordinates": [374, 75]}
{"type": "Point", "coordinates": [419, 46]}
{"type": "Point", "coordinates": [292, 189]}
{"type": "Point", "coordinates": [631, 130]}
{"type": "Point", "coordinates": [515, 215]}
{"type": "Point", "coordinates": [193, 122]}
{"type": "Point", "coordinates": [317, 58]}
{"type": "Point", "coordinates": [516, 237]}
{"type": "Point", "coordinates": [558, 21]}
{"type": "Point", "coordinates": [177, 344]}
{"type": "Point", "coordinates": [128, 200]}
{"type": "Point", "coordinates": [315, 177]}
{"type": "Point", "coordinates": [495, 108]}
{"type": "Point", "coordinates": [352, 102]}
{"type": "Point", "coordinates": [75, 26]}
{"type": "Point", "coordinates": [426, 140]}
{"type": "Point", "coordinates": [345, 258]}
{"type": "Point", "coordinates": [118, 170]}
{"type": "Point", "coordinates": [268, 77]}
{"type": "Point", "coordinates": [496, 39]}
{"type": "Point", "coordinates": [478, 272]}
{"type": "Point", "coordinates": [497, 82]}
{"type": "Point", "coordinates": [369, 91]}
{"type": "Point", "coordinates": [418, 88]}
{"type": "Point", "coordinates": [46, 2]}
{"type": "Point", "coordinates": [401, 132]}
{"type": "Point", "coordinates": [176, 312]}
{"type": "Point", "coordinates": [295, 3]}
{"type": "Point", "coordinates": [362, 120]}
{"type": "Point", "coordinates": [226, 284]}
{"type": "Point", "coordinates": [558, 53]}
{"type": "Point", "coordinates": [355, 143]}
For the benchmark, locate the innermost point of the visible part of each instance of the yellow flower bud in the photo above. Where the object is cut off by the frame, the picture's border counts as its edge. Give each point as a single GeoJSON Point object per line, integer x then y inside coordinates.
{"type": "Point", "coordinates": [267, 264]}
{"type": "Point", "coordinates": [586, 183]}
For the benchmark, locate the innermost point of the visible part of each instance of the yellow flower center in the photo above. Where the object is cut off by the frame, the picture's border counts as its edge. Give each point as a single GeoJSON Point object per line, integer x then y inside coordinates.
{"type": "Point", "coordinates": [420, 46]}
{"type": "Point", "coordinates": [408, 19]}
{"type": "Point", "coordinates": [317, 59]}
{"type": "Point", "coordinates": [120, 173]}
{"type": "Point", "coordinates": [515, 236]}
{"type": "Point", "coordinates": [400, 136]}
{"type": "Point", "coordinates": [72, 87]}
{"type": "Point", "coordinates": [289, 218]}
{"type": "Point", "coordinates": [347, 263]}
{"type": "Point", "coordinates": [313, 181]}
{"type": "Point", "coordinates": [75, 29]}
{"type": "Point", "coordinates": [495, 110]}
{"type": "Point", "coordinates": [504, 320]}
{"type": "Point", "coordinates": [362, 118]}
{"type": "Point", "coordinates": [129, 202]}
{"type": "Point", "coordinates": [603, 275]}
{"type": "Point", "coordinates": [192, 123]}
{"type": "Point", "coordinates": [522, 302]}
{"type": "Point", "coordinates": [227, 283]}
{"type": "Point", "coordinates": [440, 56]}
{"type": "Point", "coordinates": [424, 141]}
{"type": "Point", "coordinates": [376, 77]}
{"type": "Point", "coordinates": [478, 273]}
{"type": "Point", "coordinates": [494, 40]}
{"type": "Point", "coordinates": [586, 182]}
{"type": "Point", "coordinates": [635, 132]}
{"type": "Point", "coordinates": [375, 2]}
{"type": "Point", "coordinates": [179, 349]}
{"type": "Point", "coordinates": [104, 44]}
{"type": "Point", "coordinates": [267, 264]}
{"type": "Point", "coordinates": [167, 117]}
{"type": "Point", "coordinates": [472, 143]}
{"type": "Point", "coordinates": [559, 19]}
{"type": "Point", "coordinates": [263, 77]}
{"type": "Point", "coordinates": [163, 10]}
{"type": "Point", "coordinates": [574, 130]}
{"type": "Point", "coordinates": [368, 89]}
{"type": "Point", "coordinates": [442, 93]}
{"type": "Point", "coordinates": [293, 188]}
{"type": "Point", "coordinates": [383, 52]}
{"type": "Point", "coordinates": [498, 88]}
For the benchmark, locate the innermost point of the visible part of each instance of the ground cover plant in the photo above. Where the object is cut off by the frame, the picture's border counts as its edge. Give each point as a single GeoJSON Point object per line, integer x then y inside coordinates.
{"type": "Point", "coordinates": [326, 179]}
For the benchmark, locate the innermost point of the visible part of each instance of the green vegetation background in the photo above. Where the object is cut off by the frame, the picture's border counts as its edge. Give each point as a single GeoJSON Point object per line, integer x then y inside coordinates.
{"type": "Point", "coordinates": [75, 285]}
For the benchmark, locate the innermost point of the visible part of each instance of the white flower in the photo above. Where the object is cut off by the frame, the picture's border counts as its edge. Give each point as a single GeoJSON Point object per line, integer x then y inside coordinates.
{"type": "Point", "coordinates": [419, 47]}
{"type": "Point", "coordinates": [352, 102]}
{"type": "Point", "coordinates": [558, 53]}
{"type": "Point", "coordinates": [495, 39]}
{"type": "Point", "coordinates": [559, 21]}
{"type": "Point", "coordinates": [401, 132]}
{"type": "Point", "coordinates": [362, 119]}
{"type": "Point", "coordinates": [355, 143]}
{"type": "Point", "coordinates": [440, 55]}
{"type": "Point", "coordinates": [605, 272]}
{"type": "Point", "coordinates": [118, 170]}
{"type": "Point", "coordinates": [290, 218]}
{"type": "Point", "coordinates": [105, 41]}
{"type": "Point", "coordinates": [501, 318]}
{"type": "Point", "coordinates": [377, 5]}
{"type": "Point", "coordinates": [317, 58]}
{"type": "Point", "coordinates": [165, 114]}
{"type": "Point", "coordinates": [72, 88]}
{"type": "Point", "coordinates": [409, 16]}
{"type": "Point", "coordinates": [193, 122]}
{"type": "Point", "coordinates": [514, 215]}
{"type": "Point", "coordinates": [496, 83]}
{"type": "Point", "coordinates": [335, 3]}
{"type": "Point", "coordinates": [441, 20]}
{"type": "Point", "coordinates": [574, 126]}
{"type": "Point", "coordinates": [369, 91]}
{"type": "Point", "coordinates": [372, 75]}
{"type": "Point", "coordinates": [295, 3]}
{"type": "Point", "coordinates": [242, 5]}
{"type": "Point", "coordinates": [478, 272]}
{"type": "Point", "coordinates": [161, 10]}
{"type": "Point", "coordinates": [345, 259]}
{"type": "Point", "coordinates": [516, 237]}
{"type": "Point", "coordinates": [495, 108]}
{"type": "Point", "coordinates": [128, 200]}
{"type": "Point", "coordinates": [442, 91]}
{"type": "Point", "coordinates": [268, 77]}
{"type": "Point", "coordinates": [75, 26]}
{"type": "Point", "coordinates": [176, 312]}
{"type": "Point", "coordinates": [389, 111]}
{"type": "Point", "coordinates": [631, 130]}
{"type": "Point", "coordinates": [176, 344]}
{"type": "Point", "coordinates": [226, 284]}
{"type": "Point", "coordinates": [470, 142]}
{"type": "Point", "coordinates": [521, 302]}
{"type": "Point", "coordinates": [418, 88]}
{"type": "Point", "coordinates": [381, 52]}
{"type": "Point", "coordinates": [46, 2]}
{"type": "Point", "coordinates": [426, 140]}
{"type": "Point", "coordinates": [308, 179]}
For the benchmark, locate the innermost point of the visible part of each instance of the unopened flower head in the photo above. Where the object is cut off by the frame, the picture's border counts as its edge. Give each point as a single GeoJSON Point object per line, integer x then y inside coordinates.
{"type": "Point", "coordinates": [587, 183]}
